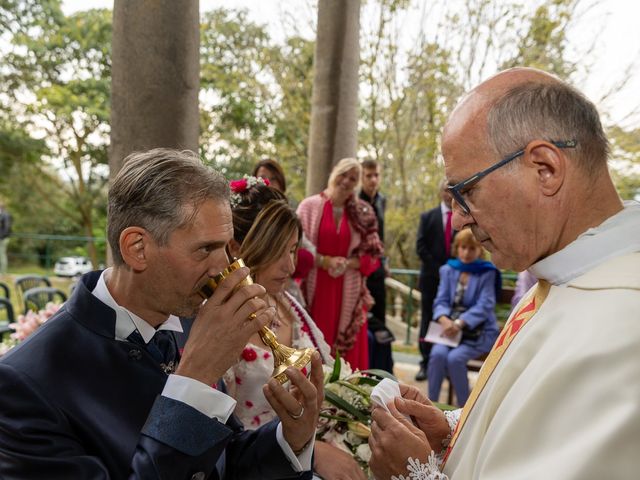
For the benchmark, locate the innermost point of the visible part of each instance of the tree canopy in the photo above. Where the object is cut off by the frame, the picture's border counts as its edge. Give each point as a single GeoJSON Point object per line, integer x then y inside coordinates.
{"type": "Point", "coordinates": [55, 74]}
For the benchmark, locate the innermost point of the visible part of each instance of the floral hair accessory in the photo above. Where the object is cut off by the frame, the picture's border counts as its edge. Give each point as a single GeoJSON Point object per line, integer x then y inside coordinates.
{"type": "Point", "coordinates": [242, 185]}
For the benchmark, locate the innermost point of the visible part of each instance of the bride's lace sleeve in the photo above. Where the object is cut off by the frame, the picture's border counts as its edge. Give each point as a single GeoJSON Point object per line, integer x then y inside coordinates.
{"type": "Point", "coordinates": [431, 470]}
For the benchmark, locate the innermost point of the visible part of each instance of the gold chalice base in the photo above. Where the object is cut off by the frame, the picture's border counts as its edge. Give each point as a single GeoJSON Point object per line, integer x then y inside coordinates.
{"type": "Point", "coordinates": [298, 358]}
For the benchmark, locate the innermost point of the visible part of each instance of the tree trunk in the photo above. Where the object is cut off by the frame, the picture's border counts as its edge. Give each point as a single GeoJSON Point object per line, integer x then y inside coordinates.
{"type": "Point", "coordinates": [333, 133]}
{"type": "Point", "coordinates": [155, 77]}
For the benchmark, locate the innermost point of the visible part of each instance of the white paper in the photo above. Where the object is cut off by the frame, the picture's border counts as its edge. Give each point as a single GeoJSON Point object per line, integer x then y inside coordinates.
{"type": "Point", "coordinates": [435, 334]}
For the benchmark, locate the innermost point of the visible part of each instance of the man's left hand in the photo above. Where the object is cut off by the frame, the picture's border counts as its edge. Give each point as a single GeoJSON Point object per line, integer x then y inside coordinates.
{"type": "Point", "coordinates": [299, 407]}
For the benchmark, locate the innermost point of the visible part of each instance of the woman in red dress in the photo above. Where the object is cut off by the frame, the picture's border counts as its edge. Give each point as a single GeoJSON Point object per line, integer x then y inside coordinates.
{"type": "Point", "coordinates": [343, 230]}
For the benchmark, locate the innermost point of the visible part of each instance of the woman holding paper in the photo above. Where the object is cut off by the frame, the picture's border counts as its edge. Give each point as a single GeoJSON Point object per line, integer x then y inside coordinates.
{"type": "Point", "coordinates": [465, 309]}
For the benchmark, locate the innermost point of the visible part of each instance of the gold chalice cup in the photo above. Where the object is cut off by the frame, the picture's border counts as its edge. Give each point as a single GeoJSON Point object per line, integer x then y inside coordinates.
{"type": "Point", "coordinates": [283, 356]}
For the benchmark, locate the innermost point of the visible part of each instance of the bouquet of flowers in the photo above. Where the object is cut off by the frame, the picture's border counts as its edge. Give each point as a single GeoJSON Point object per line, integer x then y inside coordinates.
{"type": "Point", "coordinates": [345, 415]}
{"type": "Point", "coordinates": [26, 325]}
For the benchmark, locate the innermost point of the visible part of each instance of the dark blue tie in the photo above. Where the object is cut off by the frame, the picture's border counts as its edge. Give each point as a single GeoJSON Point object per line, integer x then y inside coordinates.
{"type": "Point", "coordinates": [162, 348]}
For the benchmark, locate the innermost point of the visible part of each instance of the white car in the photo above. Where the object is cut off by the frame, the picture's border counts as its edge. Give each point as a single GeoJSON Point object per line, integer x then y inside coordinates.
{"type": "Point", "coordinates": [72, 266]}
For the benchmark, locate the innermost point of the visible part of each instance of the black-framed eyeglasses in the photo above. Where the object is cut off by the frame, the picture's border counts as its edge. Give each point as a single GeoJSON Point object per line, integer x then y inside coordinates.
{"type": "Point", "coordinates": [457, 190]}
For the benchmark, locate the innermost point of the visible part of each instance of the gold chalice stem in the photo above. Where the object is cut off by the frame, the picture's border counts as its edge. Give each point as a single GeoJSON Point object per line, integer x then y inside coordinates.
{"type": "Point", "coordinates": [283, 356]}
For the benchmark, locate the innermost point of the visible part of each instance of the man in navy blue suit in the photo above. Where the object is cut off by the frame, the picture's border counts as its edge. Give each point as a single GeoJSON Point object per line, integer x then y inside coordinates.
{"type": "Point", "coordinates": [100, 391]}
{"type": "Point", "coordinates": [433, 245]}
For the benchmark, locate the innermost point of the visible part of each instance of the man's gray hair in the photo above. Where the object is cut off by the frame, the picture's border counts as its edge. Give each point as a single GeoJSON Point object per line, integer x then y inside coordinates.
{"type": "Point", "coordinates": [160, 190]}
{"type": "Point", "coordinates": [551, 111]}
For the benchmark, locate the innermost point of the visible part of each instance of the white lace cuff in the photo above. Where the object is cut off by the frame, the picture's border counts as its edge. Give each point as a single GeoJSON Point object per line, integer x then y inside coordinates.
{"type": "Point", "coordinates": [422, 471]}
{"type": "Point", "coordinates": [453, 417]}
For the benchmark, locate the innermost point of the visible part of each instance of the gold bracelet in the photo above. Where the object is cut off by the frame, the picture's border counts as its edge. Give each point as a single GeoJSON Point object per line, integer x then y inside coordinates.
{"type": "Point", "coordinates": [325, 262]}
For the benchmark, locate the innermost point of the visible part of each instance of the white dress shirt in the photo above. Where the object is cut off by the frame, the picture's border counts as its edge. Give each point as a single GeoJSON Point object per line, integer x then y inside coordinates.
{"type": "Point", "coordinates": [202, 397]}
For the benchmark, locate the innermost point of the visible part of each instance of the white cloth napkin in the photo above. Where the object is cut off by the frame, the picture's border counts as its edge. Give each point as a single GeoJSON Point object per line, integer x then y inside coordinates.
{"type": "Point", "coordinates": [385, 392]}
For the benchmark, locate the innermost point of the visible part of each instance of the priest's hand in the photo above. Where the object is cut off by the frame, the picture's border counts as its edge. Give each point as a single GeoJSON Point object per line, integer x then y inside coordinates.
{"type": "Point", "coordinates": [299, 407]}
{"type": "Point", "coordinates": [394, 439]}
{"type": "Point", "coordinates": [424, 414]}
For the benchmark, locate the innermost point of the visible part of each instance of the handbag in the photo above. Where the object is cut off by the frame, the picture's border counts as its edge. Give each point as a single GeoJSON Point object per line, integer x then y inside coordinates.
{"type": "Point", "coordinates": [467, 333]}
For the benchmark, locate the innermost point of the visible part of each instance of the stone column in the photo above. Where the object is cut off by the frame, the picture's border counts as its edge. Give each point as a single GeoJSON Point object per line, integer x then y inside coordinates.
{"type": "Point", "coordinates": [333, 133]}
{"type": "Point", "coordinates": [155, 77]}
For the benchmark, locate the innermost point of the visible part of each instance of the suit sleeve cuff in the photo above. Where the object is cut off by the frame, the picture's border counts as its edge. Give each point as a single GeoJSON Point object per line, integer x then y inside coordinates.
{"type": "Point", "coordinates": [202, 397]}
{"type": "Point", "coordinates": [301, 463]}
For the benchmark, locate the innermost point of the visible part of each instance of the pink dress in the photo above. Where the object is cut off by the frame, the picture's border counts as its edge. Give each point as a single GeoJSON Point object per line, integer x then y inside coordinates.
{"type": "Point", "coordinates": [327, 303]}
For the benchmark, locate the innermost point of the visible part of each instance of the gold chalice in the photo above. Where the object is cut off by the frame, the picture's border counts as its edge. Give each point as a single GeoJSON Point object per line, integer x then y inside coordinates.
{"type": "Point", "coordinates": [283, 356]}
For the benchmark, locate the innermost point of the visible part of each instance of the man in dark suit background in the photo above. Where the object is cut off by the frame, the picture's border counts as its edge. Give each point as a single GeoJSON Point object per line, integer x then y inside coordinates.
{"type": "Point", "coordinates": [380, 337]}
{"type": "Point", "coordinates": [433, 245]}
{"type": "Point", "coordinates": [95, 392]}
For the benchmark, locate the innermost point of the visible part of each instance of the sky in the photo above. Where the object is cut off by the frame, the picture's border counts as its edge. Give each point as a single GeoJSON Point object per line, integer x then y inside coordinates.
{"type": "Point", "coordinates": [613, 24]}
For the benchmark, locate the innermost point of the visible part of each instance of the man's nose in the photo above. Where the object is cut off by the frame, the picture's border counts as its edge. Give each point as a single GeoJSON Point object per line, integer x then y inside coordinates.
{"type": "Point", "coordinates": [217, 263]}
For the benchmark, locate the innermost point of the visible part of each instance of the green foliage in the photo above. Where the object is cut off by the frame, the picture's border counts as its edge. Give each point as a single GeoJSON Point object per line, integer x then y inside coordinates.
{"type": "Point", "coordinates": [234, 118]}
{"type": "Point", "coordinates": [17, 146]}
{"type": "Point", "coordinates": [408, 94]}
{"type": "Point", "coordinates": [625, 149]}
{"type": "Point", "coordinates": [543, 43]}
{"type": "Point", "coordinates": [256, 97]}
{"type": "Point", "coordinates": [256, 102]}
{"type": "Point", "coordinates": [56, 77]}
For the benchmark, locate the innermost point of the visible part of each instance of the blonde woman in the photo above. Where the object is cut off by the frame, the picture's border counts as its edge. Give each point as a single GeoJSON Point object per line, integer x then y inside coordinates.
{"type": "Point", "coordinates": [343, 230]}
{"type": "Point", "coordinates": [266, 235]}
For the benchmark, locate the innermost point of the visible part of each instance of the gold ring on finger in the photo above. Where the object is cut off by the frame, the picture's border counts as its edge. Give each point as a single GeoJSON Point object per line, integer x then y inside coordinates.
{"type": "Point", "coordinates": [299, 415]}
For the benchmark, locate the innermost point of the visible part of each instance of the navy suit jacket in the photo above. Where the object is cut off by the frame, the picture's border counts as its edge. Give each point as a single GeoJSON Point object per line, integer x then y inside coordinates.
{"type": "Point", "coordinates": [430, 242]}
{"type": "Point", "coordinates": [75, 404]}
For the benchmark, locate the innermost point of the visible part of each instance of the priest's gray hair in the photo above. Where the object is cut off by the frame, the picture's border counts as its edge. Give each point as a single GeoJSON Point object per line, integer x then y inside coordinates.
{"type": "Point", "coordinates": [551, 111]}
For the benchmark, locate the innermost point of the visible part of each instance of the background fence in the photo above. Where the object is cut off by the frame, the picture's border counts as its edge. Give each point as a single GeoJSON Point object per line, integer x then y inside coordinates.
{"type": "Point", "coordinates": [35, 249]}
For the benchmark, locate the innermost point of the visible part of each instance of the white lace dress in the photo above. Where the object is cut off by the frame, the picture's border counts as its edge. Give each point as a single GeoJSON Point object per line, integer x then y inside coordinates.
{"type": "Point", "coordinates": [244, 380]}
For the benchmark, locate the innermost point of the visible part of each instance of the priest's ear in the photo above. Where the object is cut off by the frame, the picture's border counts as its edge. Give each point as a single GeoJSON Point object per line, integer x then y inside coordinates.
{"type": "Point", "coordinates": [550, 164]}
{"type": "Point", "coordinates": [134, 245]}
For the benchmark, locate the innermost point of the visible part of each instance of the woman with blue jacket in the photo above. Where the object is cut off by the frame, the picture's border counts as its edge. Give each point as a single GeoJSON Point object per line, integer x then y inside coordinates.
{"type": "Point", "coordinates": [465, 302]}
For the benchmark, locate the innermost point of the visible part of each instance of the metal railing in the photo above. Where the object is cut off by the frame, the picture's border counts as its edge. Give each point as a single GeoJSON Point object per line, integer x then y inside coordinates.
{"type": "Point", "coordinates": [406, 299]}
{"type": "Point", "coordinates": [45, 249]}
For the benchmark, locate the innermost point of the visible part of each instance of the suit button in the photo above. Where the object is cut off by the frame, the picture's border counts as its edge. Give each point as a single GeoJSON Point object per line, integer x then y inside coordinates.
{"type": "Point", "coordinates": [135, 354]}
{"type": "Point", "coordinates": [198, 476]}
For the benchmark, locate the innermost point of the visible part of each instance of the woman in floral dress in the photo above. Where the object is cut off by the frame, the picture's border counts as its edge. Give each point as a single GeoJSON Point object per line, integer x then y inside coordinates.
{"type": "Point", "coordinates": [267, 234]}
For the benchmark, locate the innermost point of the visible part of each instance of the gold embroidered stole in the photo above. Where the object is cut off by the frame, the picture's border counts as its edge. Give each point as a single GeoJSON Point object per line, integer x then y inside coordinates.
{"type": "Point", "coordinates": [511, 329]}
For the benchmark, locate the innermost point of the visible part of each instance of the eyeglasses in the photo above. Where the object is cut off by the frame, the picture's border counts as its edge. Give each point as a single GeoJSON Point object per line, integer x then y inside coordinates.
{"type": "Point", "coordinates": [457, 190]}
